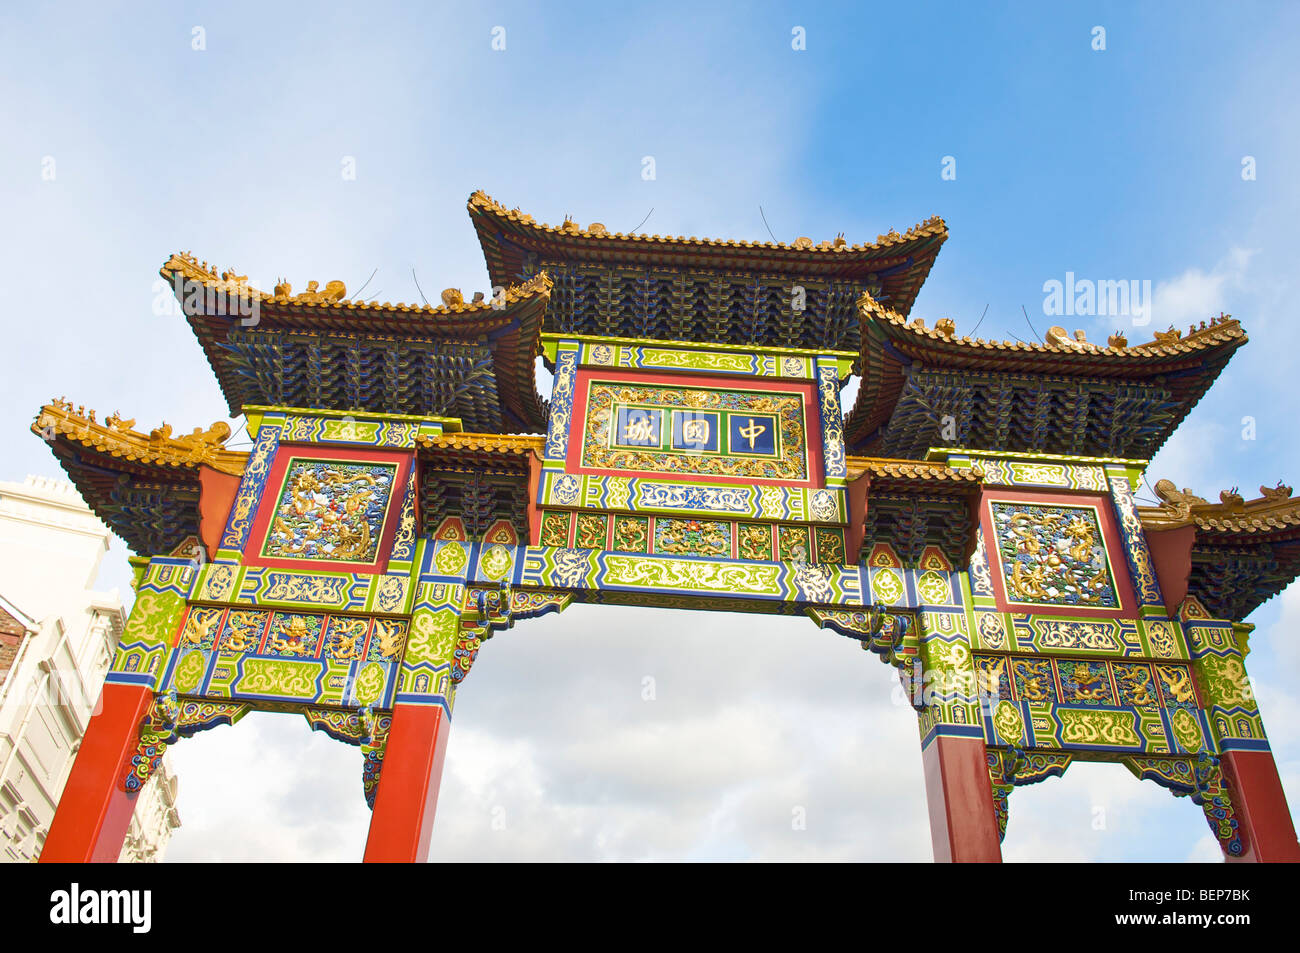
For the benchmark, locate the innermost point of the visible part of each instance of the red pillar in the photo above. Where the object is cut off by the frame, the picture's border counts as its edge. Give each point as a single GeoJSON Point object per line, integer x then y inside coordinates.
{"type": "Point", "coordinates": [94, 813]}
{"type": "Point", "coordinates": [1260, 804]}
{"type": "Point", "coordinates": [963, 825]}
{"type": "Point", "coordinates": [402, 820]}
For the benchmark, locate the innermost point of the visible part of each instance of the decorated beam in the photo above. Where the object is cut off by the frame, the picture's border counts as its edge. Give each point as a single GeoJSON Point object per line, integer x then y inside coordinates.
{"type": "Point", "coordinates": [351, 567]}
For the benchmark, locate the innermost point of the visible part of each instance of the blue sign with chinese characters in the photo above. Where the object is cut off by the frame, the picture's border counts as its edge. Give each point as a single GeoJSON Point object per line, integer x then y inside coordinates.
{"type": "Point", "coordinates": [752, 434]}
{"type": "Point", "coordinates": [696, 430]}
{"type": "Point", "coordinates": [638, 427]}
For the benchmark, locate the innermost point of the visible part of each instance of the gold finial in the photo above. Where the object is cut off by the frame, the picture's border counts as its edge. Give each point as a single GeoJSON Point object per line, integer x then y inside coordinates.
{"type": "Point", "coordinates": [1279, 492]}
{"type": "Point", "coordinates": [334, 291]}
{"type": "Point", "coordinates": [1058, 337]}
{"type": "Point", "coordinates": [115, 422]}
{"type": "Point", "coordinates": [452, 298]}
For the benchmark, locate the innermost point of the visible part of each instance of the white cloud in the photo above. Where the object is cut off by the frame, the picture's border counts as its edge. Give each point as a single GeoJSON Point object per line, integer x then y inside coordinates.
{"type": "Point", "coordinates": [1196, 295]}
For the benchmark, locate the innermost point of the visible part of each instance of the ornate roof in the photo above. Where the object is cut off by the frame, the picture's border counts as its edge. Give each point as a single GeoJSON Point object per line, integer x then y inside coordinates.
{"type": "Point", "coordinates": [144, 486]}
{"type": "Point", "coordinates": [703, 289]}
{"type": "Point", "coordinates": [800, 253]}
{"type": "Point", "coordinates": [915, 504]}
{"type": "Point", "coordinates": [477, 452]}
{"type": "Point", "coordinates": [153, 452]}
{"type": "Point", "coordinates": [473, 360]}
{"type": "Point", "coordinates": [1275, 512]}
{"type": "Point", "coordinates": [487, 443]}
{"type": "Point", "coordinates": [1066, 395]}
{"type": "Point", "coordinates": [1244, 551]}
{"type": "Point", "coordinates": [1061, 352]}
{"type": "Point", "coordinates": [917, 472]}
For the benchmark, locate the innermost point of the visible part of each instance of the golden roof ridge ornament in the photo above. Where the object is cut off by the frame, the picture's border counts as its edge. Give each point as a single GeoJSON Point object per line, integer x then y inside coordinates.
{"type": "Point", "coordinates": [117, 436]}
{"type": "Point", "coordinates": [335, 292]}
{"type": "Point", "coordinates": [1217, 330]}
{"type": "Point", "coordinates": [1231, 513]}
{"type": "Point", "coordinates": [934, 225]}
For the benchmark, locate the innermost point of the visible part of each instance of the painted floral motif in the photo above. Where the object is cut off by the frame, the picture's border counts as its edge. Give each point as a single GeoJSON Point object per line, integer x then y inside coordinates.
{"type": "Point", "coordinates": [1053, 555]}
{"type": "Point", "coordinates": [330, 511]}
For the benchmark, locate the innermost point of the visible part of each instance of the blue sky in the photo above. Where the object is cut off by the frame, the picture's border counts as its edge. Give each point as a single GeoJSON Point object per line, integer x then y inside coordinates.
{"type": "Point", "coordinates": [1116, 164]}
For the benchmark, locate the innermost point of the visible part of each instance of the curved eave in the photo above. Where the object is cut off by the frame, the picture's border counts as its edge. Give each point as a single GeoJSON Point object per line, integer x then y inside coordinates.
{"type": "Point", "coordinates": [513, 332]}
{"type": "Point", "coordinates": [127, 450]}
{"type": "Point", "coordinates": [1249, 523]}
{"type": "Point", "coordinates": [901, 261]}
{"type": "Point", "coordinates": [918, 475]}
{"type": "Point", "coordinates": [891, 344]}
{"type": "Point", "coordinates": [494, 453]}
{"type": "Point", "coordinates": [1243, 552]}
{"type": "Point", "coordinates": [146, 490]}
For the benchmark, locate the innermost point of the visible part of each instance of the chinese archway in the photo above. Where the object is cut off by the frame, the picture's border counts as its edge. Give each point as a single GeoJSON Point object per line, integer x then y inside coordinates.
{"type": "Point", "coordinates": [971, 520]}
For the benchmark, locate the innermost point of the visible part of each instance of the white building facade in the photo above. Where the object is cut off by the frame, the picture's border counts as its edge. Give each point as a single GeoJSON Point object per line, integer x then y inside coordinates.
{"type": "Point", "coordinates": [57, 638]}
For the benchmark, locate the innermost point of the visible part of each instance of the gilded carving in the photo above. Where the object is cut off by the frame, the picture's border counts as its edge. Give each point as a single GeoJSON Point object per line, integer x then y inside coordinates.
{"type": "Point", "coordinates": [789, 461]}
{"type": "Point", "coordinates": [317, 590]}
{"type": "Point", "coordinates": [330, 511]}
{"type": "Point", "coordinates": [693, 576]}
{"type": "Point", "coordinates": [1176, 683]}
{"type": "Point", "coordinates": [1187, 730]}
{"type": "Point", "coordinates": [1098, 727]}
{"type": "Point", "coordinates": [264, 676]}
{"type": "Point", "coordinates": [1053, 555]}
{"type": "Point", "coordinates": [690, 537]}
{"type": "Point", "coordinates": [391, 593]}
{"type": "Point", "coordinates": [1009, 723]}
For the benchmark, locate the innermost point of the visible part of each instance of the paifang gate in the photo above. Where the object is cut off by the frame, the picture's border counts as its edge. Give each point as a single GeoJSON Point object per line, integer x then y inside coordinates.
{"type": "Point", "coordinates": [408, 495]}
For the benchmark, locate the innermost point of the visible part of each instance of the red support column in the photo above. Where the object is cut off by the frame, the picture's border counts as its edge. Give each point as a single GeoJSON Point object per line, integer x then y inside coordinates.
{"type": "Point", "coordinates": [402, 819]}
{"type": "Point", "coordinates": [1261, 808]}
{"type": "Point", "coordinates": [94, 813]}
{"type": "Point", "coordinates": [963, 825]}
